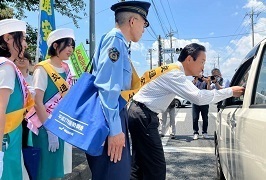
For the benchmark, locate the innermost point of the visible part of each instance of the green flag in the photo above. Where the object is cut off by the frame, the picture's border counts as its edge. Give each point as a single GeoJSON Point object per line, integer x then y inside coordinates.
{"type": "Point", "coordinates": [80, 60]}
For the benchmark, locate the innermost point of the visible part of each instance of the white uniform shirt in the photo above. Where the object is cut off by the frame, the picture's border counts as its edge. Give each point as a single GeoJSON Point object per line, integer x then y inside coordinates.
{"type": "Point", "coordinates": [40, 77]}
{"type": "Point", "coordinates": [8, 76]}
{"type": "Point", "coordinates": [29, 79]}
{"type": "Point", "coordinates": [159, 93]}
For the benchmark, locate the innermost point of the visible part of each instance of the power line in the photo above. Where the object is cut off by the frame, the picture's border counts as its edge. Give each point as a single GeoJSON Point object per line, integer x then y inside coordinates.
{"type": "Point", "coordinates": [151, 34]}
{"type": "Point", "coordinates": [84, 17]}
{"type": "Point", "coordinates": [222, 36]}
{"type": "Point", "coordinates": [157, 14]}
{"type": "Point", "coordinates": [172, 15]}
{"type": "Point", "coordinates": [234, 39]}
{"type": "Point", "coordinates": [237, 30]}
{"type": "Point", "coordinates": [150, 26]}
{"type": "Point", "coordinates": [166, 15]}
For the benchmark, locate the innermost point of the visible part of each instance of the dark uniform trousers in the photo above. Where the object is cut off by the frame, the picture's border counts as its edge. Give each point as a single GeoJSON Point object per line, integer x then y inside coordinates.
{"type": "Point", "coordinates": [196, 109]}
{"type": "Point", "coordinates": [101, 166]}
{"type": "Point", "coordinates": [148, 162]}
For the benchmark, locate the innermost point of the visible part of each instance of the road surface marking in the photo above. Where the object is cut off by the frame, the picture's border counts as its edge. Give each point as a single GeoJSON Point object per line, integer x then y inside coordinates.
{"type": "Point", "coordinates": [214, 114]}
{"type": "Point", "coordinates": [180, 116]}
{"type": "Point", "coordinates": [199, 150]}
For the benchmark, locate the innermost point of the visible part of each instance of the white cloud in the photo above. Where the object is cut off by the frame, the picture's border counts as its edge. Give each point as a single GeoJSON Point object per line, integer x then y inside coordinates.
{"type": "Point", "coordinates": [230, 56]}
{"type": "Point", "coordinates": [135, 63]}
{"type": "Point", "coordinates": [235, 14]}
{"type": "Point", "coordinates": [138, 47]}
{"type": "Point", "coordinates": [254, 4]}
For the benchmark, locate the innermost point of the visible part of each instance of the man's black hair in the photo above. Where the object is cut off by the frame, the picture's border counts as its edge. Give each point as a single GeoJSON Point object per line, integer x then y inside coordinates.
{"type": "Point", "coordinates": [192, 50]}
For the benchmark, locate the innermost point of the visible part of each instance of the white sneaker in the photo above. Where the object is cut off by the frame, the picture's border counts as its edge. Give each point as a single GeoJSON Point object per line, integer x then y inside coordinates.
{"type": "Point", "coordinates": [196, 136]}
{"type": "Point", "coordinates": [205, 136]}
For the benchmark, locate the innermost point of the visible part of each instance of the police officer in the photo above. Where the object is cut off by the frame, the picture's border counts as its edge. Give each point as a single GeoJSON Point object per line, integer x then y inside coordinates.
{"type": "Point", "coordinates": [113, 72]}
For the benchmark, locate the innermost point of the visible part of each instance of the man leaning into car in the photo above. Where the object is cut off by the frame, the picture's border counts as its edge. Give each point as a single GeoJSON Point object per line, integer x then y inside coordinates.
{"type": "Point", "coordinates": [148, 160]}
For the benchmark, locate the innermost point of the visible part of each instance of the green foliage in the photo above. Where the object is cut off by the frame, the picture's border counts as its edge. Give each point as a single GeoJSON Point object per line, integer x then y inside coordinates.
{"type": "Point", "coordinates": [5, 12]}
{"type": "Point", "coordinates": [69, 8]}
{"type": "Point", "coordinates": [32, 40]}
{"type": "Point", "coordinates": [16, 8]}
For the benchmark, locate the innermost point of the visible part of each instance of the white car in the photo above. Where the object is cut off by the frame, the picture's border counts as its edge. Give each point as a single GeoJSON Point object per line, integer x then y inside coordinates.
{"type": "Point", "coordinates": [240, 146]}
{"type": "Point", "coordinates": [180, 102]}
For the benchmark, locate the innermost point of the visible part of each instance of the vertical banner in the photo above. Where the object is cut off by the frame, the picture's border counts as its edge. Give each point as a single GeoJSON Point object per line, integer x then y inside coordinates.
{"type": "Point", "coordinates": [80, 60]}
{"type": "Point", "coordinates": [46, 25]}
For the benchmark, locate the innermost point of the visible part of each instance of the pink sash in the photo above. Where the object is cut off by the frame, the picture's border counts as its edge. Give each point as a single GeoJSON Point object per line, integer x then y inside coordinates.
{"type": "Point", "coordinates": [33, 121]}
{"type": "Point", "coordinates": [23, 83]}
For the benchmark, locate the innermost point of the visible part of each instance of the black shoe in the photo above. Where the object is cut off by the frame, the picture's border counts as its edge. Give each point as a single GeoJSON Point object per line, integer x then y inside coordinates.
{"type": "Point", "coordinates": [172, 136]}
{"type": "Point", "coordinates": [162, 135]}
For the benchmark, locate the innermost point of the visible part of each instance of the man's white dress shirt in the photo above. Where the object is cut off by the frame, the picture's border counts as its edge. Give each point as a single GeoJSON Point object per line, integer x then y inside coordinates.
{"type": "Point", "coordinates": [159, 93]}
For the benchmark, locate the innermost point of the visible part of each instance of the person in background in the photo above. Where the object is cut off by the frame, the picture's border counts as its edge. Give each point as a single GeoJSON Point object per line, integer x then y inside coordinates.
{"type": "Point", "coordinates": [201, 83]}
{"type": "Point", "coordinates": [13, 96]}
{"type": "Point", "coordinates": [217, 82]}
{"type": "Point", "coordinates": [171, 110]}
{"type": "Point", "coordinates": [23, 65]}
{"type": "Point", "coordinates": [113, 72]}
{"type": "Point", "coordinates": [154, 97]}
{"type": "Point", "coordinates": [49, 92]}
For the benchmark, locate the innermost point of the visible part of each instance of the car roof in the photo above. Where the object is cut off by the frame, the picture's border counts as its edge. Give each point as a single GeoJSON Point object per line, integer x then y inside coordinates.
{"type": "Point", "coordinates": [251, 54]}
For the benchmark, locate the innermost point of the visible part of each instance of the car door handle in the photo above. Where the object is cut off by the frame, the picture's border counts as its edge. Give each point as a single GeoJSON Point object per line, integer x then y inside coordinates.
{"type": "Point", "coordinates": [233, 123]}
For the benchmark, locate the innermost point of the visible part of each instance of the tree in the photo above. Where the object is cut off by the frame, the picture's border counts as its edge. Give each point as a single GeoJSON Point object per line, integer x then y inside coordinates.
{"type": "Point", "coordinates": [69, 8]}
{"type": "Point", "coordinates": [5, 12]}
{"type": "Point", "coordinates": [17, 8]}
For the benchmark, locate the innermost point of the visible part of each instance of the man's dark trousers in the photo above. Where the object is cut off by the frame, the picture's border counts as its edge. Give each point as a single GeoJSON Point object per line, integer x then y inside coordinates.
{"type": "Point", "coordinates": [148, 160]}
{"type": "Point", "coordinates": [196, 109]}
{"type": "Point", "coordinates": [101, 166]}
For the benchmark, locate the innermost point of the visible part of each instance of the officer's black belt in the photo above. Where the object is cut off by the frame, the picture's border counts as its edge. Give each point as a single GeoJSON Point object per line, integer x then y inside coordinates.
{"type": "Point", "coordinates": [143, 106]}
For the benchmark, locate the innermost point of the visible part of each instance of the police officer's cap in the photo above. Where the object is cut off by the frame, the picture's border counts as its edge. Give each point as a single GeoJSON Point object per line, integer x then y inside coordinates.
{"type": "Point", "coordinates": [139, 7]}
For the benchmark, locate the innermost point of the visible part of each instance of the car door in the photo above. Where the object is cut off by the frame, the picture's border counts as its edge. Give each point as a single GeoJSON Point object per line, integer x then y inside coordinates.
{"type": "Point", "coordinates": [230, 115]}
{"type": "Point", "coordinates": [250, 136]}
{"type": "Point", "coordinates": [244, 123]}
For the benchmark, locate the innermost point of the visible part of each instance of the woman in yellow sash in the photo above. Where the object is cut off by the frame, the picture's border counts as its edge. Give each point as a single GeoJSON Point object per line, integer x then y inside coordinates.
{"type": "Point", "coordinates": [12, 97]}
{"type": "Point", "coordinates": [51, 80]}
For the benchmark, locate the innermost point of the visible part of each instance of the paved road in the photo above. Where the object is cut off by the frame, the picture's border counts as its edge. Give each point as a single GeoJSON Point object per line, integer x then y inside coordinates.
{"type": "Point", "coordinates": [186, 159]}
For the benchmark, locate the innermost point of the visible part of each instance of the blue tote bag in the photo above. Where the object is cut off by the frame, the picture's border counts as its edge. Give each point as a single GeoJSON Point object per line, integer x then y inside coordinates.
{"type": "Point", "coordinates": [79, 120]}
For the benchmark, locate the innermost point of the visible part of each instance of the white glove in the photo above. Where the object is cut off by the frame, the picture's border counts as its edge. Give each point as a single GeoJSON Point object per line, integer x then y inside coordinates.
{"type": "Point", "coordinates": [1, 163]}
{"type": "Point", "coordinates": [53, 142]}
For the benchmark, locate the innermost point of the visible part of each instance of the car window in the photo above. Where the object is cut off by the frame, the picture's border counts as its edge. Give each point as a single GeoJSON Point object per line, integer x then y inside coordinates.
{"type": "Point", "coordinates": [240, 79]}
{"type": "Point", "coordinates": [260, 95]}
{"type": "Point", "coordinates": [242, 82]}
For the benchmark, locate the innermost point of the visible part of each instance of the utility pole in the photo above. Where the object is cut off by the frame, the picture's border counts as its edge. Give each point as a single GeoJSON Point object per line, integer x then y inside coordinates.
{"type": "Point", "coordinates": [92, 27]}
{"type": "Point", "coordinates": [251, 15]}
{"type": "Point", "coordinates": [159, 51]}
{"type": "Point", "coordinates": [218, 63]}
{"type": "Point", "coordinates": [170, 35]}
{"type": "Point", "coordinates": [150, 51]}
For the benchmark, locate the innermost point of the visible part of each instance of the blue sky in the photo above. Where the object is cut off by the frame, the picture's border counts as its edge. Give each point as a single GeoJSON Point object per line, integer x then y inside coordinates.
{"type": "Point", "coordinates": [222, 26]}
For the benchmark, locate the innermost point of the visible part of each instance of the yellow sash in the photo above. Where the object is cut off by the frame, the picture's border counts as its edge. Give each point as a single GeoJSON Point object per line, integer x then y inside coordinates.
{"type": "Point", "coordinates": [60, 83]}
{"type": "Point", "coordinates": [148, 76]}
{"type": "Point", "coordinates": [14, 118]}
